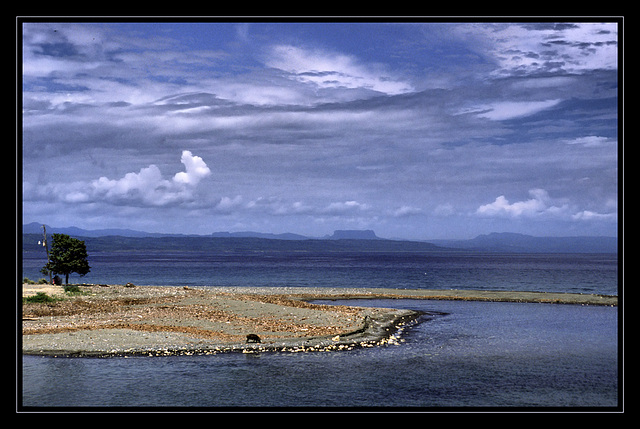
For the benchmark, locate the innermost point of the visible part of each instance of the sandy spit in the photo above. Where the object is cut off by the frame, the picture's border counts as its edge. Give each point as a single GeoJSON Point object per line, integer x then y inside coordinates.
{"type": "Point", "coordinates": [114, 320]}
{"type": "Point", "coordinates": [146, 320]}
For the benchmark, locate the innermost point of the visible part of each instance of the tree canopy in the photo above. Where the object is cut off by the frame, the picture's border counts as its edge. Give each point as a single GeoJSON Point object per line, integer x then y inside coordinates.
{"type": "Point", "coordinates": [68, 255]}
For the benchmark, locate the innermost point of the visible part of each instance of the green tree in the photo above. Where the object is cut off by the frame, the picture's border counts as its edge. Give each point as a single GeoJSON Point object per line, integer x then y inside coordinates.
{"type": "Point", "coordinates": [68, 255]}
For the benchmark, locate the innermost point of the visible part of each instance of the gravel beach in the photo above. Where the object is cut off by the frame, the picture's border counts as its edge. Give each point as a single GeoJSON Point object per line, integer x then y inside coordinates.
{"type": "Point", "coordinates": [115, 320]}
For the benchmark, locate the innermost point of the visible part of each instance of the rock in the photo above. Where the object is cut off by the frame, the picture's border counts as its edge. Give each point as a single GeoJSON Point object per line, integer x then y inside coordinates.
{"type": "Point", "coordinates": [129, 285]}
{"type": "Point", "coordinates": [253, 338]}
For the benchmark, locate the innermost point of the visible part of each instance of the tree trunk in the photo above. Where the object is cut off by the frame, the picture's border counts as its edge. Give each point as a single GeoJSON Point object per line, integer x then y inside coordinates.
{"type": "Point", "coordinates": [66, 278]}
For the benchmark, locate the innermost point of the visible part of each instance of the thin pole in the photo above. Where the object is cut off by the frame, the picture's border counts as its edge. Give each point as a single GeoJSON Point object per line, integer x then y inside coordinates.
{"type": "Point", "coordinates": [46, 246]}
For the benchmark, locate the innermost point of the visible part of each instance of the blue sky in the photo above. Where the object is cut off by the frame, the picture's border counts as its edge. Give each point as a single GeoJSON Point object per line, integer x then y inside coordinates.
{"type": "Point", "coordinates": [415, 130]}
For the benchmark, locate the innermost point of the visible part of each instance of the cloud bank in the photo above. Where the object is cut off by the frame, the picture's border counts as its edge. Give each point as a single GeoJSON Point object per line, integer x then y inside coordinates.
{"type": "Point", "coordinates": [408, 129]}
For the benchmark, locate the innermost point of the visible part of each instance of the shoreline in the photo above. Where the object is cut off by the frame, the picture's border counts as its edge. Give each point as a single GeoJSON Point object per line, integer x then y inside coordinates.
{"type": "Point", "coordinates": [312, 293]}
{"type": "Point", "coordinates": [114, 320]}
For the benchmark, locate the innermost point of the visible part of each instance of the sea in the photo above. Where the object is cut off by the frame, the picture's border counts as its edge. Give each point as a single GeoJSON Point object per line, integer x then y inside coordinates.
{"type": "Point", "coordinates": [460, 355]}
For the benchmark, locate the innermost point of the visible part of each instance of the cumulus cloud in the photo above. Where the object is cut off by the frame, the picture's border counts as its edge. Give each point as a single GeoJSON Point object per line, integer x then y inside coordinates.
{"type": "Point", "coordinates": [146, 187]}
{"type": "Point", "coordinates": [196, 169]}
{"type": "Point", "coordinates": [539, 203]}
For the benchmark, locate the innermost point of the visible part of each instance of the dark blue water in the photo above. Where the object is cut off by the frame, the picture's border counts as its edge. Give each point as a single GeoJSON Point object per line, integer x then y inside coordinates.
{"type": "Point", "coordinates": [470, 354]}
{"type": "Point", "coordinates": [478, 354]}
{"type": "Point", "coordinates": [578, 273]}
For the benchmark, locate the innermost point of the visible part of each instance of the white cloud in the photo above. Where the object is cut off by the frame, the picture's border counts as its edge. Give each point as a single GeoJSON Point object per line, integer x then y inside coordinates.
{"type": "Point", "coordinates": [589, 215]}
{"type": "Point", "coordinates": [590, 141]}
{"type": "Point", "coordinates": [537, 205]}
{"type": "Point", "coordinates": [545, 47]}
{"type": "Point", "coordinates": [146, 187]}
{"type": "Point", "coordinates": [333, 70]}
{"type": "Point", "coordinates": [261, 91]}
{"type": "Point", "coordinates": [540, 204]}
{"type": "Point", "coordinates": [133, 186]}
{"type": "Point", "coordinates": [345, 207]}
{"type": "Point", "coordinates": [196, 169]}
{"type": "Point", "coordinates": [504, 110]}
{"type": "Point", "coordinates": [278, 206]}
{"type": "Point", "coordinates": [227, 205]}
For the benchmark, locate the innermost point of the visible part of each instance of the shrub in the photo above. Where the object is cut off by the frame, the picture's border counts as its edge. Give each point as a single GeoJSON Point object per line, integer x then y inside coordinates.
{"type": "Point", "coordinates": [72, 289]}
{"type": "Point", "coordinates": [38, 298]}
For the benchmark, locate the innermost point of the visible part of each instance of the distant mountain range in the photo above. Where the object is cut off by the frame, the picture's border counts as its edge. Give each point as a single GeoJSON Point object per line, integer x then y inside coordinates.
{"type": "Point", "coordinates": [520, 243]}
{"type": "Point", "coordinates": [36, 228]}
{"type": "Point", "coordinates": [349, 234]}
{"type": "Point", "coordinates": [345, 239]}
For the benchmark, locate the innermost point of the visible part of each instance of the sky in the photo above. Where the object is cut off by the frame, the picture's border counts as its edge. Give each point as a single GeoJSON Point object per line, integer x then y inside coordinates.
{"type": "Point", "coordinates": [417, 130]}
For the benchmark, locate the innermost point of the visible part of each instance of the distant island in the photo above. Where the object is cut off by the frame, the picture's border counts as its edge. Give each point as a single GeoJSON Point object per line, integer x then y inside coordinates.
{"type": "Point", "coordinates": [340, 240]}
{"type": "Point", "coordinates": [353, 234]}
